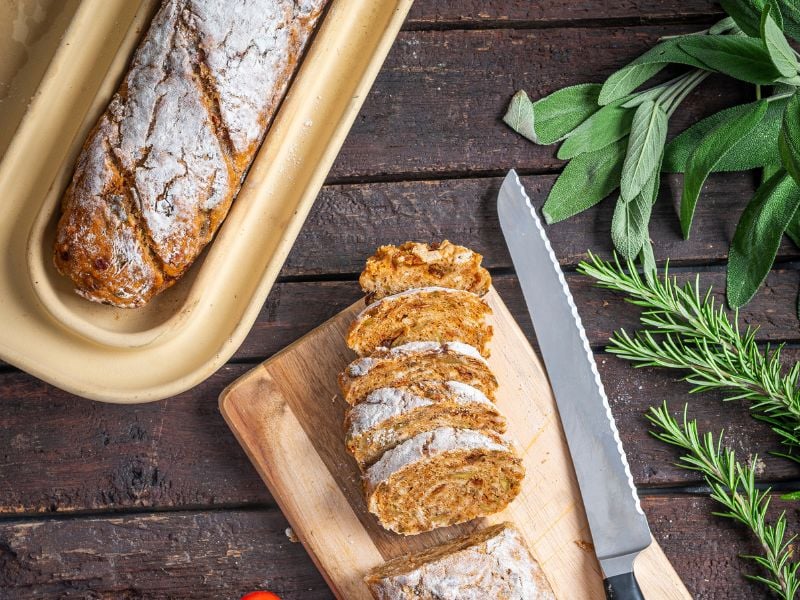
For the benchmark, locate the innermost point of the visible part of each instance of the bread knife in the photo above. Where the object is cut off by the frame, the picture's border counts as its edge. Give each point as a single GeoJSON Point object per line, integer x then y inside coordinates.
{"type": "Point", "coordinates": [617, 523]}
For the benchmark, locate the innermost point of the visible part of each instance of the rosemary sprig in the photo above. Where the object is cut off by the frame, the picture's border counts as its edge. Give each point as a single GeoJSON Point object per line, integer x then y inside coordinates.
{"type": "Point", "coordinates": [688, 330]}
{"type": "Point", "coordinates": [733, 485]}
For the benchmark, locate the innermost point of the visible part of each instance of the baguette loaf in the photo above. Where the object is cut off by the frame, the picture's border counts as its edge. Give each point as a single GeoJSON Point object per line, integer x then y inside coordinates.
{"type": "Point", "coordinates": [160, 169]}
{"type": "Point", "coordinates": [490, 563]}
{"type": "Point", "coordinates": [434, 313]}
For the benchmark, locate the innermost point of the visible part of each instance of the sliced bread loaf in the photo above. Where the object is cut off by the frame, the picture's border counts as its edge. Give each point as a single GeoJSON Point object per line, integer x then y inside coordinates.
{"type": "Point", "coordinates": [442, 477]}
{"type": "Point", "coordinates": [394, 269]}
{"type": "Point", "coordinates": [390, 416]}
{"type": "Point", "coordinates": [433, 313]}
{"type": "Point", "coordinates": [416, 361]}
{"type": "Point", "coordinates": [490, 563]}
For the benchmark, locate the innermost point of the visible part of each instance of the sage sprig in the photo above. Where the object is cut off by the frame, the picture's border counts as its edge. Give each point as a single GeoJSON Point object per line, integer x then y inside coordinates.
{"type": "Point", "coordinates": [733, 485]}
{"type": "Point", "coordinates": [615, 137]}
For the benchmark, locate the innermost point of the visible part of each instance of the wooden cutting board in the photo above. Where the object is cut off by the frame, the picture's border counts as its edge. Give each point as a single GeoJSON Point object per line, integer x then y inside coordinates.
{"type": "Point", "coordinates": [287, 413]}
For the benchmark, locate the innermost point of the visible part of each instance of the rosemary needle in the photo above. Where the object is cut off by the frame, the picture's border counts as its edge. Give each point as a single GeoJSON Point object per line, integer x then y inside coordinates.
{"type": "Point", "coordinates": [687, 330]}
{"type": "Point", "coordinates": [733, 486]}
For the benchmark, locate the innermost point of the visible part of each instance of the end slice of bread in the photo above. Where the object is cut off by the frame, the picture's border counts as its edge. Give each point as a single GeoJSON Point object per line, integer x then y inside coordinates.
{"type": "Point", "coordinates": [394, 269]}
{"type": "Point", "coordinates": [492, 563]}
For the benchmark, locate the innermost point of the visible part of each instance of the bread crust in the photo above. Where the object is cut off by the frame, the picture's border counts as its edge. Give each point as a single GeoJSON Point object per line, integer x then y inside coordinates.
{"type": "Point", "coordinates": [491, 563]}
{"type": "Point", "coordinates": [394, 269]}
{"type": "Point", "coordinates": [159, 171]}
{"type": "Point", "coordinates": [389, 416]}
{"type": "Point", "coordinates": [442, 477]}
{"type": "Point", "coordinates": [416, 361]}
{"type": "Point", "coordinates": [422, 314]}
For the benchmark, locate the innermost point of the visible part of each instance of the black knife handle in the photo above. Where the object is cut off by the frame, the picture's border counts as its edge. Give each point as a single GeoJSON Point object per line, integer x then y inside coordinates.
{"type": "Point", "coordinates": [622, 587]}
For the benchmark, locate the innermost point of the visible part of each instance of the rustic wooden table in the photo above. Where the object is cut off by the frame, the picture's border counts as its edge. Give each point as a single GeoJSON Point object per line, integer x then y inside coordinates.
{"type": "Point", "coordinates": [158, 500]}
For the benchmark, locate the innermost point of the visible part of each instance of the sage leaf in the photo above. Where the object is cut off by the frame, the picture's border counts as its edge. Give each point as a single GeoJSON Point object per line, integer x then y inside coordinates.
{"type": "Point", "coordinates": [519, 116]}
{"type": "Point", "coordinates": [585, 181]}
{"type": "Point", "coordinates": [746, 14]}
{"type": "Point", "coordinates": [645, 148]}
{"type": "Point", "coordinates": [793, 229]}
{"type": "Point", "coordinates": [770, 170]}
{"type": "Point", "coordinates": [709, 152]}
{"type": "Point", "coordinates": [629, 225]}
{"type": "Point", "coordinates": [789, 137]}
{"type": "Point", "coordinates": [753, 151]}
{"type": "Point", "coordinates": [648, 260]}
{"type": "Point", "coordinates": [627, 79]}
{"type": "Point", "coordinates": [758, 235]}
{"type": "Point", "coordinates": [778, 48]}
{"type": "Point", "coordinates": [556, 115]}
{"type": "Point", "coordinates": [635, 73]}
{"type": "Point", "coordinates": [790, 9]}
{"type": "Point", "coordinates": [739, 57]}
{"type": "Point", "coordinates": [607, 125]}
{"type": "Point", "coordinates": [722, 26]}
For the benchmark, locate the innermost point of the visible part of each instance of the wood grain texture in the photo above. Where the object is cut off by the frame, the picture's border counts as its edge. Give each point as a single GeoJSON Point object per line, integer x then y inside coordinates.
{"type": "Point", "coordinates": [543, 13]}
{"type": "Point", "coordinates": [437, 104]}
{"type": "Point", "coordinates": [356, 218]}
{"type": "Point", "coordinates": [287, 414]}
{"type": "Point", "coordinates": [222, 554]}
{"type": "Point", "coordinates": [295, 308]}
{"type": "Point", "coordinates": [63, 454]}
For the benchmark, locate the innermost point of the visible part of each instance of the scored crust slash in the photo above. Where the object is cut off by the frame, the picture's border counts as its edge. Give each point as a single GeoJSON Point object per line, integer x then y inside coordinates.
{"type": "Point", "coordinates": [424, 430]}
{"type": "Point", "coordinates": [160, 169]}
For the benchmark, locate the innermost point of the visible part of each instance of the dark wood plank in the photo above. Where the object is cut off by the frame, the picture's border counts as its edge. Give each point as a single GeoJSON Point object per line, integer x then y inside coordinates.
{"type": "Point", "coordinates": [168, 555]}
{"type": "Point", "coordinates": [295, 308]}
{"type": "Point", "coordinates": [703, 548]}
{"type": "Point", "coordinates": [226, 553]}
{"type": "Point", "coordinates": [523, 13]}
{"type": "Point", "coordinates": [437, 104]}
{"type": "Point", "coordinates": [64, 454]}
{"type": "Point", "coordinates": [357, 218]}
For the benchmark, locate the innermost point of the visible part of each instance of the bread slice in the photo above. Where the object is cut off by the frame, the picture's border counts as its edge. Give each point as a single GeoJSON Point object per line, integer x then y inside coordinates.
{"type": "Point", "coordinates": [393, 269]}
{"type": "Point", "coordinates": [433, 313]}
{"type": "Point", "coordinates": [442, 477]}
{"type": "Point", "coordinates": [416, 361]}
{"type": "Point", "coordinates": [390, 416]}
{"type": "Point", "coordinates": [490, 563]}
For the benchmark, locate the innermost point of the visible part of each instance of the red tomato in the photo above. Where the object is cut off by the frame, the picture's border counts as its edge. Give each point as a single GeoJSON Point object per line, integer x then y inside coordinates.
{"type": "Point", "coordinates": [260, 596]}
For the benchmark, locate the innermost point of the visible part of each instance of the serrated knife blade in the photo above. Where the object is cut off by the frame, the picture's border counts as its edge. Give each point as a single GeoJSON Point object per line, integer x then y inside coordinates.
{"type": "Point", "coordinates": [616, 520]}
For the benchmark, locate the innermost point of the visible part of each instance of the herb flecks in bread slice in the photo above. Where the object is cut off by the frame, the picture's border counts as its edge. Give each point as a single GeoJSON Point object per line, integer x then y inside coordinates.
{"type": "Point", "coordinates": [490, 563]}
{"type": "Point", "coordinates": [416, 361]}
{"type": "Point", "coordinates": [422, 314]}
{"type": "Point", "coordinates": [390, 416]}
{"type": "Point", "coordinates": [394, 269]}
{"type": "Point", "coordinates": [441, 478]}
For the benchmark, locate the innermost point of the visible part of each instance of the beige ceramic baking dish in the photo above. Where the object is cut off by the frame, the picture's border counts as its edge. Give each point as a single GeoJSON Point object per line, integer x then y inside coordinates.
{"type": "Point", "coordinates": [186, 333]}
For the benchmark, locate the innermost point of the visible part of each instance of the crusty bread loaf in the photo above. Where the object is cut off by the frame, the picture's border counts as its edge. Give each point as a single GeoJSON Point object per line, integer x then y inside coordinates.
{"type": "Point", "coordinates": [490, 564]}
{"type": "Point", "coordinates": [433, 314]}
{"type": "Point", "coordinates": [390, 416]}
{"type": "Point", "coordinates": [394, 269]}
{"type": "Point", "coordinates": [442, 477]}
{"type": "Point", "coordinates": [416, 361]}
{"type": "Point", "coordinates": [159, 171]}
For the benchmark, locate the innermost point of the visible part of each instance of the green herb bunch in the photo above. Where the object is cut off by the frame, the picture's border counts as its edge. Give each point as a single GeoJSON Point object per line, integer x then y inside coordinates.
{"type": "Point", "coordinates": [733, 485]}
{"type": "Point", "coordinates": [615, 137]}
{"type": "Point", "coordinates": [685, 329]}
